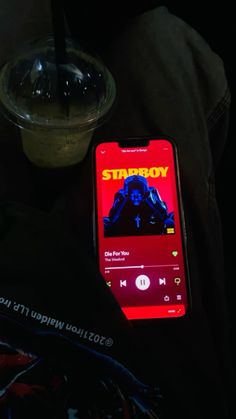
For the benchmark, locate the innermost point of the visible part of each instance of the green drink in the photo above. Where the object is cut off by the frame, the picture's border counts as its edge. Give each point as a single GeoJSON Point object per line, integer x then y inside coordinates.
{"type": "Point", "coordinates": [56, 113]}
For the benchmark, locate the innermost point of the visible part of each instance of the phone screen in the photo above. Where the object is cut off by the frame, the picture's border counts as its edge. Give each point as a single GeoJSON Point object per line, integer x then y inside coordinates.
{"type": "Point", "coordinates": [139, 226]}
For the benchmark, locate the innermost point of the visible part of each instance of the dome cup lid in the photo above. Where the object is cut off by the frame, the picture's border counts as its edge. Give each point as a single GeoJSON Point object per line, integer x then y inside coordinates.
{"type": "Point", "coordinates": [37, 93]}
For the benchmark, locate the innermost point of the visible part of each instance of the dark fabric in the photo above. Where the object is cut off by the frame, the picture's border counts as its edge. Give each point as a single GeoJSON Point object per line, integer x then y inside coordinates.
{"type": "Point", "coordinates": [91, 25]}
{"type": "Point", "coordinates": [168, 81]}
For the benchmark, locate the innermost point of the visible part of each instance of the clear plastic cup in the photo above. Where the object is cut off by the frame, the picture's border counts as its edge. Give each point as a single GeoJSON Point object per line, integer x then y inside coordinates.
{"type": "Point", "coordinates": [56, 111]}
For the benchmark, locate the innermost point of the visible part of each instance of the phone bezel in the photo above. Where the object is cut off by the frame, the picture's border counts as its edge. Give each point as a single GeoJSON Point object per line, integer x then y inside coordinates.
{"type": "Point", "coordinates": [139, 141]}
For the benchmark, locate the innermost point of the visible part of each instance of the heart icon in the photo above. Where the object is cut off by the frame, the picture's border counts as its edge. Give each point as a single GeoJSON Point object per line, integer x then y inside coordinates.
{"type": "Point", "coordinates": [175, 253]}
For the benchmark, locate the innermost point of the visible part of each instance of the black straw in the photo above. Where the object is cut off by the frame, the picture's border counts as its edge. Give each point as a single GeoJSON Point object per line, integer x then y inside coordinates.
{"type": "Point", "coordinates": [59, 33]}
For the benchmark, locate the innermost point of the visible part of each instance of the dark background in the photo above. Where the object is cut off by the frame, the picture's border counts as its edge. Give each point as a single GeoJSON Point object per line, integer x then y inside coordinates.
{"type": "Point", "coordinates": [215, 22]}
{"type": "Point", "coordinates": [91, 22]}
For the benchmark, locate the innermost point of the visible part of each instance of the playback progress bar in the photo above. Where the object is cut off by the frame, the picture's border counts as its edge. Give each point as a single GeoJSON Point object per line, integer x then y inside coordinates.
{"type": "Point", "coordinates": [140, 266]}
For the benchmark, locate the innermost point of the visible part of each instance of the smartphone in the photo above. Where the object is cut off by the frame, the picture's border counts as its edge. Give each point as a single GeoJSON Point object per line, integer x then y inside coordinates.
{"type": "Point", "coordinates": [139, 227]}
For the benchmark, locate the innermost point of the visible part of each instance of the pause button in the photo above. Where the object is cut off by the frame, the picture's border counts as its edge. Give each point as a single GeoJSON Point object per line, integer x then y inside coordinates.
{"type": "Point", "coordinates": [142, 282]}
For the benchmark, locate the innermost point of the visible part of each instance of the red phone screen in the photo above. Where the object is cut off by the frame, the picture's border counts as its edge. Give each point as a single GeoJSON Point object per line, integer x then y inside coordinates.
{"type": "Point", "coordinates": [139, 224]}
